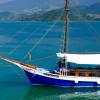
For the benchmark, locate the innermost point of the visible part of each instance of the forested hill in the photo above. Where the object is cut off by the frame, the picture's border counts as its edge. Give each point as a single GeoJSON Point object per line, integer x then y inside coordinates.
{"type": "Point", "coordinates": [81, 12]}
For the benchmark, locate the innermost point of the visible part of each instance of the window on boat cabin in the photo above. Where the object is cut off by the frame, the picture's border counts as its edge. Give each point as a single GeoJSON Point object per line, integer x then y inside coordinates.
{"type": "Point", "coordinates": [72, 73]}
{"type": "Point", "coordinates": [82, 74]}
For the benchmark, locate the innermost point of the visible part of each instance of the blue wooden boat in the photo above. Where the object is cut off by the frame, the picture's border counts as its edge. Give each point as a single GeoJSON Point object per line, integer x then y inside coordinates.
{"type": "Point", "coordinates": [64, 77]}
{"type": "Point", "coordinates": [40, 76]}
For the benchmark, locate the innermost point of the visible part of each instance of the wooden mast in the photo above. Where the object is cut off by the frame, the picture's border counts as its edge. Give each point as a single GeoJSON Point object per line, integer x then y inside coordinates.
{"type": "Point", "coordinates": [62, 63]}
{"type": "Point", "coordinates": [65, 44]}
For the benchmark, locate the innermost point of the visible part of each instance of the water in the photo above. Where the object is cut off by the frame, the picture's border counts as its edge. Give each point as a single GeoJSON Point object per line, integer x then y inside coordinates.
{"type": "Point", "coordinates": [17, 38]}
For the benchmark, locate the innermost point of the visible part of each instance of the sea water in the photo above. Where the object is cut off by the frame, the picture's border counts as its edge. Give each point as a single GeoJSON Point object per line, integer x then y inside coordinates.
{"type": "Point", "coordinates": [43, 40]}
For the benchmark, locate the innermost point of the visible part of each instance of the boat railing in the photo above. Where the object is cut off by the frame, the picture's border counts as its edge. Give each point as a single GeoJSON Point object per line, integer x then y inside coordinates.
{"type": "Point", "coordinates": [86, 73]}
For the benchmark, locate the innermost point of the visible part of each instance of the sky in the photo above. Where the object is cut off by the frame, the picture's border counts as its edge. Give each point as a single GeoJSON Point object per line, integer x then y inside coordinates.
{"type": "Point", "coordinates": [87, 1]}
{"type": "Point", "coordinates": [79, 1]}
{"type": "Point", "coordinates": [3, 1]}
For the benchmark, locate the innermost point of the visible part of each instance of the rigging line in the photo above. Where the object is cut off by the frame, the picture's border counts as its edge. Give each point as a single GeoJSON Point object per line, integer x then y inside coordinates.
{"type": "Point", "coordinates": [26, 39]}
{"type": "Point", "coordinates": [16, 33]}
{"type": "Point", "coordinates": [43, 58]}
{"type": "Point", "coordinates": [43, 36]}
{"type": "Point", "coordinates": [7, 41]}
{"type": "Point", "coordinates": [87, 23]}
{"type": "Point", "coordinates": [40, 39]}
{"type": "Point", "coordinates": [75, 9]}
{"type": "Point", "coordinates": [61, 43]}
{"type": "Point", "coordinates": [11, 52]}
{"type": "Point", "coordinates": [91, 27]}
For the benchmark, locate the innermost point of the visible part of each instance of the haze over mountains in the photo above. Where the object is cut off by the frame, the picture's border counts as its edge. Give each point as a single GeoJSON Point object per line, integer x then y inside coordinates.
{"type": "Point", "coordinates": [37, 10]}
{"type": "Point", "coordinates": [38, 5]}
{"type": "Point", "coordinates": [31, 5]}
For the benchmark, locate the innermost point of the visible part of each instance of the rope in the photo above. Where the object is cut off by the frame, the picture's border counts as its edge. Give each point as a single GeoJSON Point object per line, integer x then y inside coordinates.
{"type": "Point", "coordinates": [82, 17]}
{"type": "Point", "coordinates": [19, 45]}
{"type": "Point", "coordinates": [11, 52]}
{"type": "Point", "coordinates": [11, 37]}
{"type": "Point", "coordinates": [7, 41]}
{"type": "Point", "coordinates": [42, 38]}
{"type": "Point", "coordinates": [38, 42]}
{"type": "Point", "coordinates": [98, 36]}
{"type": "Point", "coordinates": [92, 28]}
{"type": "Point", "coordinates": [17, 33]}
{"type": "Point", "coordinates": [14, 35]}
{"type": "Point", "coordinates": [26, 39]}
{"type": "Point", "coordinates": [43, 58]}
{"type": "Point", "coordinates": [89, 25]}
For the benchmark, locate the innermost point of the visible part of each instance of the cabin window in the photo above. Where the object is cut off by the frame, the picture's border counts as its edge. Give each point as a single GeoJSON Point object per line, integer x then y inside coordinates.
{"type": "Point", "coordinates": [81, 74]}
{"type": "Point", "coordinates": [72, 73]}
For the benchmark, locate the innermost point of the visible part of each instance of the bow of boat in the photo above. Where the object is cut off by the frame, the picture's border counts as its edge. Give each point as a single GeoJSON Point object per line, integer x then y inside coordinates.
{"type": "Point", "coordinates": [19, 64]}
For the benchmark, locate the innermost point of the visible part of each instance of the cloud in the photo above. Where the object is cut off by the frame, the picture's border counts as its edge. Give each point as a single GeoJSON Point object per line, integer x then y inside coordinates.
{"type": "Point", "coordinates": [32, 10]}
{"type": "Point", "coordinates": [52, 7]}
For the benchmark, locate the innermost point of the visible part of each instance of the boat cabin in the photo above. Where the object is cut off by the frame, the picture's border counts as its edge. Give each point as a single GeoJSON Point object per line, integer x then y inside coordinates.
{"type": "Point", "coordinates": [76, 70]}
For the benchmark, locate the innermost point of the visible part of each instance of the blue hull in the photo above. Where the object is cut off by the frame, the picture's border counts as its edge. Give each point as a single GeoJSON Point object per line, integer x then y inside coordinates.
{"type": "Point", "coordinates": [38, 79]}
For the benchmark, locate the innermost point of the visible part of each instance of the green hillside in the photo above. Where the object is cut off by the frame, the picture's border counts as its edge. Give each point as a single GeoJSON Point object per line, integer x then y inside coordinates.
{"type": "Point", "coordinates": [76, 14]}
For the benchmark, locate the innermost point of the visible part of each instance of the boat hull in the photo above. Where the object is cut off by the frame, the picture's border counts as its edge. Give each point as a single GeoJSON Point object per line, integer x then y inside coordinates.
{"type": "Point", "coordinates": [42, 76]}
{"type": "Point", "coordinates": [36, 79]}
{"type": "Point", "coordinates": [43, 80]}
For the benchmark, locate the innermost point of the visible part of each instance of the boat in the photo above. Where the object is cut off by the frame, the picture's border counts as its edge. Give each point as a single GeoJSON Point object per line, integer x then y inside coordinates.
{"type": "Point", "coordinates": [64, 76]}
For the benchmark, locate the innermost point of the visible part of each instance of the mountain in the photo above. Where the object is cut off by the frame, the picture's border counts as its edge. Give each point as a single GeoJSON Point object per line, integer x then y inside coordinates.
{"type": "Point", "coordinates": [95, 8]}
{"type": "Point", "coordinates": [85, 2]}
{"type": "Point", "coordinates": [25, 6]}
{"type": "Point", "coordinates": [79, 12]}
{"type": "Point", "coordinates": [32, 6]}
{"type": "Point", "coordinates": [46, 16]}
{"type": "Point", "coordinates": [91, 12]}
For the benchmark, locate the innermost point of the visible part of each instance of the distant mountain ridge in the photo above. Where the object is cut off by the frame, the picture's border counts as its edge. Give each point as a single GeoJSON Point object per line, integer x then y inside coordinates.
{"type": "Point", "coordinates": [20, 6]}
{"type": "Point", "coordinates": [80, 12]}
{"type": "Point", "coordinates": [95, 8]}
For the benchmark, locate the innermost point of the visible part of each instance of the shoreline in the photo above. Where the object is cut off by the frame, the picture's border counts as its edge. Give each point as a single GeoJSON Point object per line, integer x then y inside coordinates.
{"type": "Point", "coordinates": [45, 21]}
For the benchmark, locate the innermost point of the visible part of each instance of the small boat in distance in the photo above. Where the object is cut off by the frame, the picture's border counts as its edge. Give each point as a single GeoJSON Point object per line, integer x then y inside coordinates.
{"type": "Point", "coordinates": [64, 76]}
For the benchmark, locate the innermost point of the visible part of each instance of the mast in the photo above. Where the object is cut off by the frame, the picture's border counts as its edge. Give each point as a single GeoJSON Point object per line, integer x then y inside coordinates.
{"type": "Point", "coordinates": [65, 44]}
{"type": "Point", "coordinates": [62, 63]}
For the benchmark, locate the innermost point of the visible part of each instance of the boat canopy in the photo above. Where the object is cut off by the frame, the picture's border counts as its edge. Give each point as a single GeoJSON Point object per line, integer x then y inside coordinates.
{"type": "Point", "coordinates": [81, 58]}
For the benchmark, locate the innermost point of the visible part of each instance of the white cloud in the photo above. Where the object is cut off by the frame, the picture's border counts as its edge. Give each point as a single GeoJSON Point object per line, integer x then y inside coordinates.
{"type": "Point", "coordinates": [31, 10]}
{"type": "Point", "coordinates": [52, 7]}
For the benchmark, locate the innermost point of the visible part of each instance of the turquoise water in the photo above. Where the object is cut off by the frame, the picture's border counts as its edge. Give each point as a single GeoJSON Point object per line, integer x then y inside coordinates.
{"type": "Point", "coordinates": [16, 39]}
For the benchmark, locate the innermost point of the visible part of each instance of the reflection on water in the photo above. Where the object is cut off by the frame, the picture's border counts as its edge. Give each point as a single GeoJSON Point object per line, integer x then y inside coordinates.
{"type": "Point", "coordinates": [55, 93]}
{"type": "Point", "coordinates": [26, 92]}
